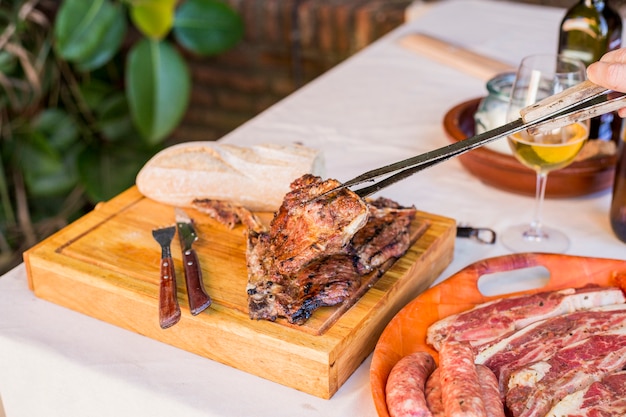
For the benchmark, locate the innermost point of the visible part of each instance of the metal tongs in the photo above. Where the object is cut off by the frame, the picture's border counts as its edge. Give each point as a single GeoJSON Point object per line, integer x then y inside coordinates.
{"type": "Point", "coordinates": [581, 102]}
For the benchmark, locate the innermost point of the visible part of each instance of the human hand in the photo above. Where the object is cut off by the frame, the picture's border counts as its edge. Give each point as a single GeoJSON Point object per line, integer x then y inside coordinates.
{"type": "Point", "coordinates": [610, 72]}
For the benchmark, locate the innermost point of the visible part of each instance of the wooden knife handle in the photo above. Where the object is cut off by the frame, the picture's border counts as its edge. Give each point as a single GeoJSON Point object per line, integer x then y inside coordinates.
{"type": "Point", "coordinates": [169, 310]}
{"type": "Point", "coordinates": [199, 300]}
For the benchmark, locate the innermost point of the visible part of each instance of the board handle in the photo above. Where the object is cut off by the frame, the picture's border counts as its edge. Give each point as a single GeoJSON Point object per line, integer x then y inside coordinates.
{"type": "Point", "coordinates": [565, 271]}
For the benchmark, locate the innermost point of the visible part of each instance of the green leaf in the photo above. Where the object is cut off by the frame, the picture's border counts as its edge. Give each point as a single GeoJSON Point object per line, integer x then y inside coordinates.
{"type": "Point", "coordinates": [95, 91]}
{"type": "Point", "coordinates": [89, 32]}
{"type": "Point", "coordinates": [207, 27]}
{"type": "Point", "coordinates": [47, 174]}
{"type": "Point", "coordinates": [106, 172]}
{"type": "Point", "coordinates": [114, 119]}
{"type": "Point", "coordinates": [108, 47]}
{"type": "Point", "coordinates": [157, 87]}
{"type": "Point", "coordinates": [60, 130]}
{"type": "Point", "coordinates": [153, 18]}
{"type": "Point", "coordinates": [8, 62]}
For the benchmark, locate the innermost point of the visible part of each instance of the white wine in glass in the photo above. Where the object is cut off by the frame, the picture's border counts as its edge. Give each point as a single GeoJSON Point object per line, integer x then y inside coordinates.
{"type": "Point", "coordinates": [538, 77]}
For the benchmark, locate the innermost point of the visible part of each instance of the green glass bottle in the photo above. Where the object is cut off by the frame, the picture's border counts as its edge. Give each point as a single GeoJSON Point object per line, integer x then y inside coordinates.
{"type": "Point", "coordinates": [589, 29]}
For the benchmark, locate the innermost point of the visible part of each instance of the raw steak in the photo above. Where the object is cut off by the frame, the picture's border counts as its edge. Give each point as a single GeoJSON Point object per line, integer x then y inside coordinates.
{"type": "Point", "coordinates": [489, 321]}
{"type": "Point", "coordinates": [603, 398]}
{"type": "Point", "coordinates": [535, 388]}
{"type": "Point", "coordinates": [542, 339]}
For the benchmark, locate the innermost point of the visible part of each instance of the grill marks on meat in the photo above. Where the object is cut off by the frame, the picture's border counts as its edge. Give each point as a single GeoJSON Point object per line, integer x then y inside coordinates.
{"type": "Point", "coordinates": [489, 321]}
{"type": "Point", "coordinates": [535, 388]}
{"type": "Point", "coordinates": [318, 247]}
{"type": "Point", "coordinates": [606, 397]}
{"type": "Point", "coordinates": [542, 339]}
{"type": "Point", "coordinates": [307, 225]}
{"type": "Point", "coordinates": [228, 214]}
{"type": "Point", "coordinates": [384, 236]}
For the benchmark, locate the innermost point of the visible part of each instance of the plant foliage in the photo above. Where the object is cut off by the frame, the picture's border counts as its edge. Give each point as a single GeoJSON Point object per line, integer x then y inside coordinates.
{"type": "Point", "coordinates": [88, 92]}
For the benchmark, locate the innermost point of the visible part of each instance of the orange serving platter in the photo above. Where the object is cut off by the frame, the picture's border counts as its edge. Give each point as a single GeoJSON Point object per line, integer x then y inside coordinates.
{"type": "Point", "coordinates": [406, 332]}
{"type": "Point", "coordinates": [106, 265]}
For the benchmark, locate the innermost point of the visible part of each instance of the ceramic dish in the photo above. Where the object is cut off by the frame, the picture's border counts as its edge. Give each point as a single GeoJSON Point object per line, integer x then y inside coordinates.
{"type": "Point", "coordinates": [505, 172]}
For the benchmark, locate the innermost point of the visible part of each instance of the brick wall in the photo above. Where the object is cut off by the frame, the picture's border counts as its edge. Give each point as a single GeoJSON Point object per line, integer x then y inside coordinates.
{"type": "Point", "coordinates": [287, 43]}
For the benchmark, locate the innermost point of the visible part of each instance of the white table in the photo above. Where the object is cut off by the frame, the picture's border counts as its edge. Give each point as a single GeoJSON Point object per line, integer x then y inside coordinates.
{"type": "Point", "coordinates": [382, 105]}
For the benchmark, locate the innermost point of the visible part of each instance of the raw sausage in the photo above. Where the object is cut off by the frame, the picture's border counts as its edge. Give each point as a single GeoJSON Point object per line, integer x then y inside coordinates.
{"type": "Point", "coordinates": [405, 385]}
{"type": "Point", "coordinates": [433, 394]}
{"type": "Point", "coordinates": [490, 391]}
{"type": "Point", "coordinates": [460, 388]}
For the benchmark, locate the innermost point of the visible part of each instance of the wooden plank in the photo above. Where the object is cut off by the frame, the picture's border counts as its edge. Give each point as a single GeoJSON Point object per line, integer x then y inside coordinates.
{"type": "Point", "coordinates": [106, 265]}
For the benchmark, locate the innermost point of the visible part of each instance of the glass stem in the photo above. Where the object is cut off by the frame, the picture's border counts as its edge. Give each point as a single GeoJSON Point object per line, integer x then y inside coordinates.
{"type": "Point", "coordinates": [536, 231]}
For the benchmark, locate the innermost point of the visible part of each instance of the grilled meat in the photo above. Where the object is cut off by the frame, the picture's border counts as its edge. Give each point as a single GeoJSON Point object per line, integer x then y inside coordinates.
{"type": "Point", "coordinates": [228, 214]}
{"type": "Point", "coordinates": [318, 247]}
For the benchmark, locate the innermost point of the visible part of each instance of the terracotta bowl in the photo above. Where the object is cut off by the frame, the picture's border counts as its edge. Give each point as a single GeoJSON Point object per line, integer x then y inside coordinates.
{"type": "Point", "coordinates": [505, 172]}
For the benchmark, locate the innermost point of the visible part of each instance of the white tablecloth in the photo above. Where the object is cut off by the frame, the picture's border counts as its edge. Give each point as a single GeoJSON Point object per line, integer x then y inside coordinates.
{"type": "Point", "coordinates": [384, 104]}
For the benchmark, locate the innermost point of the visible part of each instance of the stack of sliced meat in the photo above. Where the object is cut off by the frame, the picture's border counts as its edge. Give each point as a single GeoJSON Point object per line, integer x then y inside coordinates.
{"type": "Point", "coordinates": [318, 247]}
{"type": "Point", "coordinates": [558, 354]}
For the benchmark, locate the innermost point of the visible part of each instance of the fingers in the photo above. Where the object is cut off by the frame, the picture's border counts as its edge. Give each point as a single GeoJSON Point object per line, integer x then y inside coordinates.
{"type": "Point", "coordinates": [610, 71]}
{"type": "Point", "coordinates": [615, 56]}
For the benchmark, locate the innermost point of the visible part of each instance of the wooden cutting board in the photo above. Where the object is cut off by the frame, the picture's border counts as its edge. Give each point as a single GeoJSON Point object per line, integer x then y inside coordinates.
{"type": "Point", "coordinates": [406, 332]}
{"type": "Point", "coordinates": [106, 265]}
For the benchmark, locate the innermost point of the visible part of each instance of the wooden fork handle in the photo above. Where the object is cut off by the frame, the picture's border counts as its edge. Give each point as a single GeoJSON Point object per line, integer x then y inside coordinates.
{"type": "Point", "coordinates": [169, 310]}
{"type": "Point", "coordinates": [199, 300]}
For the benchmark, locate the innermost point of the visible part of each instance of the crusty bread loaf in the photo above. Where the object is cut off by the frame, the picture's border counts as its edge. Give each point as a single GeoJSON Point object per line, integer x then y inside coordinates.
{"type": "Point", "coordinates": [256, 177]}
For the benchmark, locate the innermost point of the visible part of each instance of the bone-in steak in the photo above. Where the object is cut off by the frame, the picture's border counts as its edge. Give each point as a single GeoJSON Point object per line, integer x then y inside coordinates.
{"type": "Point", "coordinates": [542, 339]}
{"type": "Point", "coordinates": [489, 321]}
{"type": "Point", "coordinates": [535, 388]}
{"type": "Point", "coordinates": [604, 398]}
{"type": "Point", "coordinates": [318, 247]}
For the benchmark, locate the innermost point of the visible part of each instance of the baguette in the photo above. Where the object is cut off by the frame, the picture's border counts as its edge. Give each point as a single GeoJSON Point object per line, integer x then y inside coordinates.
{"type": "Point", "coordinates": [256, 177]}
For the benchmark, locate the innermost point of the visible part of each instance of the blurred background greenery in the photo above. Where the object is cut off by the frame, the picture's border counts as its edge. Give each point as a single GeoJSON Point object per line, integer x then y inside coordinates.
{"type": "Point", "coordinates": [89, 90]}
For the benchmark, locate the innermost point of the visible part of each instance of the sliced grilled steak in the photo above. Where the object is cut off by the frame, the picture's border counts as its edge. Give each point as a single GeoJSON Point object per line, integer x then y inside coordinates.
{"type": "Point", "coordinates": [535, 388]}
{"type": "Point", "coordinates": [318, 247]}
{"type": "Point", "coordinates": [489, 321]}
{"type": "Point", "coordinates": [308, 226]}
{"type": "Point", "coordinates": [228, 214]}
{"type": "Point", "coordinates": [384, 236]}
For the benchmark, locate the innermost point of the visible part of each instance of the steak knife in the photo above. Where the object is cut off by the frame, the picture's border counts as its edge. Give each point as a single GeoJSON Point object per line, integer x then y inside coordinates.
{"type": "Point", "coordinates": [199, 300]}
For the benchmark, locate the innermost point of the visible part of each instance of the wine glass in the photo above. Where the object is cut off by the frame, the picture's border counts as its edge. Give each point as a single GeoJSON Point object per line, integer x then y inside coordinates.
{"type": "Point", "coordinates": [537, 77]}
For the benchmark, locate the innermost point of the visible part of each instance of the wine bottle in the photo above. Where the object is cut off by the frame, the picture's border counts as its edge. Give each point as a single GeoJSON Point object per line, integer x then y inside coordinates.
{"type": "Point", "coordinates": [589, 29]}
{"type": "Point", "coordinates": [618, 199]}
